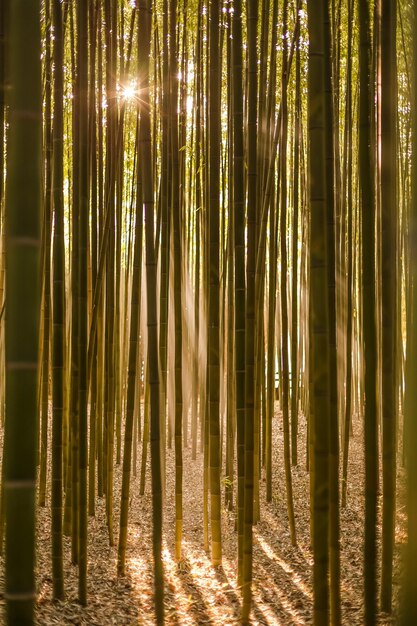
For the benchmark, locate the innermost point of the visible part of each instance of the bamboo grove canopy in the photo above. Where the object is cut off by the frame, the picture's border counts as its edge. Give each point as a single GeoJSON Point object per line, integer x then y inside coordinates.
{"type": "Point", "coordinates": [208, 223]}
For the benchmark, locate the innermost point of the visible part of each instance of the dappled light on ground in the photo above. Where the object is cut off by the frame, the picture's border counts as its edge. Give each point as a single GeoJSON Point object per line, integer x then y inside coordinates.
{"type": "Point", "coordinates": [195, 591]}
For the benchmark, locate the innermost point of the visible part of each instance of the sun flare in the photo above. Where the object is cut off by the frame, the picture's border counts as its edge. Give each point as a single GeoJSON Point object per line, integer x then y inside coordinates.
{"type": "Point", "coordinates": [129, 92]}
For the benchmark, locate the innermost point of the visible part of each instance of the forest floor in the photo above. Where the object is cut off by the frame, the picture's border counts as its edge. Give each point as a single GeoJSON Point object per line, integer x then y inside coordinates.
{"type": "Point", "coordinates": [195, 592]}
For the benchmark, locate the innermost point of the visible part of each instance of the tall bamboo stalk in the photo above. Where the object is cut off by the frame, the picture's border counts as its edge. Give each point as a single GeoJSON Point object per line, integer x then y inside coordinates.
{"type": "Point", "coordinates": [214, 100]}
{"type": "Point", "coordinates": [389, 315]}
{"type": "Point", "coordinates": [82, 68]}
{"type": "Point", "coordinates": [58, 334]}
{"type": "Point", "coordinates": [367, 191]}
{"type": "Point", "coordinates": [250, 322]}
{"type": "Point", "coordinates": [319, 310]}
{"type": "Point", "coordinates": [145, 153]}
{"type": "Point", "coordinates": [23, 209]}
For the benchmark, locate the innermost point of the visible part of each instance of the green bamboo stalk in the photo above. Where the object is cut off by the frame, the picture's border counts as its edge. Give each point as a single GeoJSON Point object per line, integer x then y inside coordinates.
{"type": "Point", "coordinates": [229, 325]}
{"type": "Point", "coordinates": [295, 239]}
{"type": "Point", "coordinates": [93, 27]}
{"type": "Point", "coordinates": [74, 369]}
{"type": "Point", "coordinates": [250, 322]}
{"type": "Point", "coordinates": [133, 377]}
{"type": "Point", "coordinates": [110, 15]}
{"type": "Point", "coordinates": [23, 208]}
{"type": "Point", "coordinates": [165, 221]}
{"type": "Point", "coordinates": [145, 438]}
{"type": "Point", "coordinates": [196, 409]}
{"type": "Point", "coordinates": [177, 277]}
{"type": "Point", "coordinates": [272, 274]}
{"type": "Point", "coordinates": [82, 68]}
{"type": "Point", "coordinates": [283, 284]}
{"type": "Point", "coordinates": [319, 310]}
{"type": "Point", "coordinates": [239, 262]}
{"type": "Point", "coordinates": [367, 191]}
{"type": "Point", "coordinates": [214, 99]}
{"type": "Point", "coordinates": [348, 201]}
{"type": "Point", "coordinates": [389, 319]}
{"type": "Point", "coordinates": [332, 199]}
{"type": "Point", "coordinates": [46, 264]}
{"type": "Point", "coordinates": [58, 343]}
{"type": "Point", "coordinates": [145, 153]}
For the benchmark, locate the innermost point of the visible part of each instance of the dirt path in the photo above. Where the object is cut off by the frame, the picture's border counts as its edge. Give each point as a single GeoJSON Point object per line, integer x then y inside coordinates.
{"type": "Point", "coordinates": [197, 593]}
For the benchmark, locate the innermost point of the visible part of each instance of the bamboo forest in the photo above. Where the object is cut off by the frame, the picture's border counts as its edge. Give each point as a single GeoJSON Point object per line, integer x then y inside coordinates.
{"type": "Point", "coordinates": [208, 312]}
